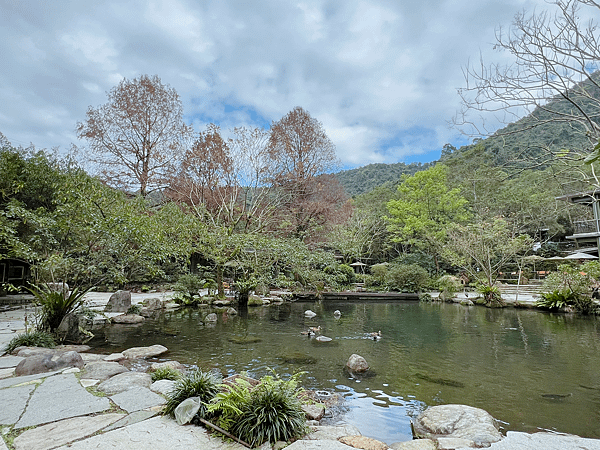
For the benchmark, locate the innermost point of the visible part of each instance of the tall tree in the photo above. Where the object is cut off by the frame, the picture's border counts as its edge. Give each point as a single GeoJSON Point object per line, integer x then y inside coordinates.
{"type": "Point", "coordinates": [555, 57]}
{"type": "Point", "coordinates": [483, 248]}
{"type": "Point", "coordinates": [303, 155]}
{"type": "Point", "coordinates": [425, 209]}
{"type": "Point", "coordinates": [138, 134]}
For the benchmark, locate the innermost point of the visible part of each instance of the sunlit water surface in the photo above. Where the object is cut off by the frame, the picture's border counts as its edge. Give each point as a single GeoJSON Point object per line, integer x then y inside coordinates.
{"type": "Point", "coordinates": [528, 369]}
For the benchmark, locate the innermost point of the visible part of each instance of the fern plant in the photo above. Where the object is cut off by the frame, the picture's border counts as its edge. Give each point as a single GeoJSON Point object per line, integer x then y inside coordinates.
{"type": "Point", "coordinates": [556, 300]}
{"type": "Point", "coordinates": [229, 404]}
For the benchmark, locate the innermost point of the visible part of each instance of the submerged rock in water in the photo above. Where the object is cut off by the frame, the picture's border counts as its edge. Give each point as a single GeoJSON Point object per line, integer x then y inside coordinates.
{"type": "Point", "coordinates": [357, 363]}
{"type": "Point", "coordinates": [442, 381]}
{"type": "Point", "coordinates": [299, 358]}
{"type": "Point", "coordinates": [457, 421]}
{"type": "Point", "coordinates": [244, 339]}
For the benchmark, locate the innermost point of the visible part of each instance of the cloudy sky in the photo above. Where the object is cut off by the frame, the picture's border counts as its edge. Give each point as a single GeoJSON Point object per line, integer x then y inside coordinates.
{"type": "Point", "coordinates": [381, 76]}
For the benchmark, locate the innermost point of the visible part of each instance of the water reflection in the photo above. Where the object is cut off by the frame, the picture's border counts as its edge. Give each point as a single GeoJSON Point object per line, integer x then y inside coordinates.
{"type": "Point", "coordinates": [529, 369]}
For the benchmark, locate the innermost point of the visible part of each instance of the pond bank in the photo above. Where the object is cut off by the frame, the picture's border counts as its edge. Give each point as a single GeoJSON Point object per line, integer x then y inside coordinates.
{"type": "Point", "coordinates": [54, 410]}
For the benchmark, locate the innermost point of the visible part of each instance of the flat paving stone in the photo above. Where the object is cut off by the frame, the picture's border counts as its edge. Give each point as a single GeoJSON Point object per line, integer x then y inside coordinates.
{"type": "Point", "coordinates": [87, 382]}
{"type": "Point", "coordinates": [60, 397]}
{"type": "Point", "coordinates": [159, 433]}
{"type": "Point", "coordinates": [332, 432]}
{"type": "Point", "coordinates": [10, 361]}
{"type": "Point", "coordinates": [130, 419]}
{"type": "Point", "coordinates": [137, 398]}
{"type": "Point", "coordinates": [318, 445]}
{"type": "Point", "coordinates": [125, 381]}
{"type": "Point", "coordinates": [13, 403]}
{"type": "Point", "coordinates": [6, 373]}
{"type": "Point", "coordinates": [3, 445]}
{"type": "Point", "coordinates": [63, 432]}
{"type": "Point", "coordinates": [8, 382]}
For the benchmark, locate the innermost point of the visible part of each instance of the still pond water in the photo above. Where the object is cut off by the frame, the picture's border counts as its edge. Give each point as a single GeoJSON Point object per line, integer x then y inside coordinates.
{"type": "Point", "coordinates": [530, 370]}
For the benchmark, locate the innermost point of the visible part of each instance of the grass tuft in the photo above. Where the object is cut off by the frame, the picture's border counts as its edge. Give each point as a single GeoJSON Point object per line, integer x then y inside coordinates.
{"type": "Point", "coordinates": [31, 339]}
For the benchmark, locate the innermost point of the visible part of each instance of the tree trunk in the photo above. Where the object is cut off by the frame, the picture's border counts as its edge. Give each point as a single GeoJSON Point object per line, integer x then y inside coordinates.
{"type": "Point", "coordinates": [220, 288]}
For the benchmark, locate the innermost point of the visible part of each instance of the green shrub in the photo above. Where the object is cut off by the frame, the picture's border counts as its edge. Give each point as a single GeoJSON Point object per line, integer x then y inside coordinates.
{"type": "Point", "coordinates": [188, 287]}
{"type": "Point", "coordinates": [555, 300]}
{"type": "Point", "coordinates": [273, 413]}
{"type": "Point", "coordinates": [56, 305]}
{"type": "Point", "coordinates": [166, 373]}
{"type": "Point", "coordinates": [449, 284]}
{"type": "Point", "coordinates": [407, 278]}
{"type": "Point", "coordinates": [254, 300]}
{"type": "Point", "coordinates": [134, 309]}
{"type": "Point", "coordinates": [31, 339]}
{"type": "Point", "coordinates": [491, 295]}
{"type": "Point", "coordinates": [379, 272]}
{"type": "Point", "coordinates": [192, 384]}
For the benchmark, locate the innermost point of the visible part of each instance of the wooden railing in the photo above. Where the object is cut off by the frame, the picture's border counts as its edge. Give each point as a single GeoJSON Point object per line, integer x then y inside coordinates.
{"type": "Point", "coordinates": [586, 226]}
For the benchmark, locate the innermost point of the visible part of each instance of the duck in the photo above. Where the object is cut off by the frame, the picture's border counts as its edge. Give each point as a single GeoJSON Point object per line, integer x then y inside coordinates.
{"type": "Point", "coordinates": [315, 329]}
{"type": "Point", "coordinates": [337, 313]}
{"type": "Point", "coordinates": [307, 333]}
{"type": "Point", "coordinates": [376, 335]}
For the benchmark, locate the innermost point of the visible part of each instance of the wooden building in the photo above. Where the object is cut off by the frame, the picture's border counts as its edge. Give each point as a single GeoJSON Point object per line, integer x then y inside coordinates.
{"type": "Point", "coordinates": [586, 233]}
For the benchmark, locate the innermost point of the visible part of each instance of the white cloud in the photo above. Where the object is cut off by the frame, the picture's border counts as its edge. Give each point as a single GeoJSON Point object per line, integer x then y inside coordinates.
{"type": "Point", "coordinates": [374, 73]}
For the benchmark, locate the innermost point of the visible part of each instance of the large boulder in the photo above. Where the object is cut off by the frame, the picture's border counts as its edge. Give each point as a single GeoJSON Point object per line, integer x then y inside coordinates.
{"type": "Point", "coordinates": [72, 329]}
{"type": "Point", "coordinates": [48, 362]}
{"type": "Point", "coordinates": [166, 365]}
{"type": "Point", "coordinates": [120, 301]}
{"type": "Point", "coordinates": [153, 304]}
{"type": "Point", "coordinates": [457, 422]}
{"type": "Point", "coordinates": [357, 363]}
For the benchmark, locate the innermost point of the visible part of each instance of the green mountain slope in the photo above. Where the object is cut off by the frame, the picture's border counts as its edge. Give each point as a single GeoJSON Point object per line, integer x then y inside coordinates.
{"type": "Point", "coordinates": [364, 179]}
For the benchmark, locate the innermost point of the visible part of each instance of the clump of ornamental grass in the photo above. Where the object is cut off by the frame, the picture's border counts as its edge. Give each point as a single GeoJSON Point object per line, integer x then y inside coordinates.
{"type": "Point", "coordinates": [195, 383]}
{"type": "Point", "coordinates": [166, 373]}
{"type": "Point", "coordinates": [31, 339]}
{"type": "Point", "coordinates": [272, 412]}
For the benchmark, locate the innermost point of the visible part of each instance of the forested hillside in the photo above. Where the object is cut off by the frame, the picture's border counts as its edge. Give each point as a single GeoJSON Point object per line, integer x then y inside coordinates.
{"type": "Point", "coordinates": [364, 179]}
{"type": "Point", "coordinates": [536, 141]}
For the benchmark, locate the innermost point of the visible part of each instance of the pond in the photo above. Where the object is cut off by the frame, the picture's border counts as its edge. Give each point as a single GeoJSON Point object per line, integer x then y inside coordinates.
{"type": "Point", "coordinates": [530, 370]}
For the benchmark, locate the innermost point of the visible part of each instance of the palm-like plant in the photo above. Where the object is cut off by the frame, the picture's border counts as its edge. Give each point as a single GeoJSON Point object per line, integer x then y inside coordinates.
{"type": "Point", "coordinates": [56, 304]}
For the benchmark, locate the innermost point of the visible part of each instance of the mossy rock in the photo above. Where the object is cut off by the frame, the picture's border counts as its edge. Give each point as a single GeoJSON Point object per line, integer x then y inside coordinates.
{"type": "Point", "coordinates": [254, 300]}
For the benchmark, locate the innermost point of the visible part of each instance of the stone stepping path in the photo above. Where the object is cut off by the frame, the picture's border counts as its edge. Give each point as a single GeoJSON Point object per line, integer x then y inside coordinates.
{"type": "Point", "coordinates": [63, 432]}
{"type": "Point", "coordinates": [47, 402]}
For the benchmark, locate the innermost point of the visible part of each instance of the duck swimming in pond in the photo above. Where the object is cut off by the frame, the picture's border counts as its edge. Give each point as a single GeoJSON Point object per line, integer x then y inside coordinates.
{"type": "Point", "coordinates": [375, 335]}
{"type": "Point", "coordinates": [307, 333]}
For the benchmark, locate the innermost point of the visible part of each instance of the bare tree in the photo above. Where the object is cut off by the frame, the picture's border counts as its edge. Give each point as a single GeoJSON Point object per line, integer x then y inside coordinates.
{"type": "Point", "coordinates": [555, 57]}
{"type": "Point", "coordinates": [303, 154]}
{"type": "Point", "coordinates": [137, 135]}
